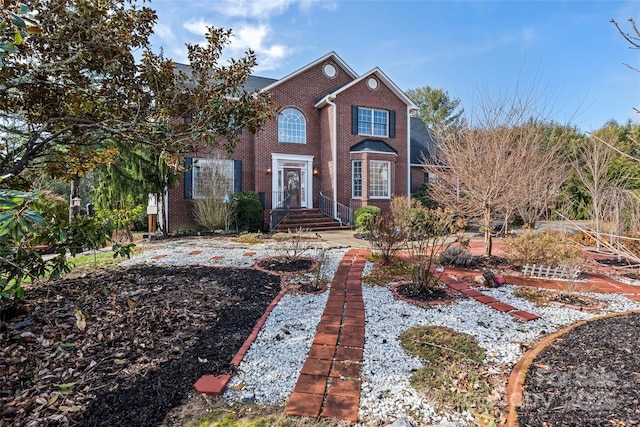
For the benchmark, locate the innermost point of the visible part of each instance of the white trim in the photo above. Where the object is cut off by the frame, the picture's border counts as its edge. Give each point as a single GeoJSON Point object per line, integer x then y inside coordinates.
{"type": "Point", "coordinates": [334, 147]}
{"type": "Point", "coordinates": [276, 158]}
{"type": "Point", "coordinates": [373, 152]}
{"type": "Point", "coordinates": [331, 55]}
{"type": "Point", "coordinates": [409, 154]}
{"type": "Point", "coordinates": [391, 85]}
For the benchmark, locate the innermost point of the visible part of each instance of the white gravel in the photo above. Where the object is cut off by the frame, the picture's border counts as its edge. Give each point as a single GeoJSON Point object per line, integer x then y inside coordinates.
{"type": "Point", "coordinates": [271, 367]}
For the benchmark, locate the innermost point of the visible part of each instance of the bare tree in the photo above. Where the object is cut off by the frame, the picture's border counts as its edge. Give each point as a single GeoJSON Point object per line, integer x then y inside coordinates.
{"type": "Point", "coordinates": [592, 163]}
{"type": "Point", "coordinates": [499, 162]}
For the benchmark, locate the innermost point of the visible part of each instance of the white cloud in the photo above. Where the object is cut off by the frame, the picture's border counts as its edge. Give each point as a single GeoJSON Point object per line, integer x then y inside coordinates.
{"type": "Point", "coordinates": [263, 9]}
{"type": "Point", "coordinates": [198, 27]}
{"type": "Point", "coordinates": [164, 32]}
{"type": "Point", "coordinates": [256, 38]}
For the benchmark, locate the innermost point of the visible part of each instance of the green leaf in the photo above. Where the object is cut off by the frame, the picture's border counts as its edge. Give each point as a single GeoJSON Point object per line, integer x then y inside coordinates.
{"type": "Point", "coordinates": [8, 47]}
{"type": "Point", "coordinates": [64, 388]}
{"type": "Point", "coordinates": [18, 21]}
{"type": "Point", "coordinates": [24, 9]}
{"type": "Point", "coordinates": [17, 38]}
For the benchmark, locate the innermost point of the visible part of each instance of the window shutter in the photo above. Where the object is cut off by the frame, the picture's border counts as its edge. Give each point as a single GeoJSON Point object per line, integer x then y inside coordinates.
{"type": "Point", "coordinates": [237, 176]}
{"type": "Point", "coordinates": [392, 124]}
{"type": "Point", "coordinates": [354, 119]}
{"type": "Point", "coordinates": [188, 178]}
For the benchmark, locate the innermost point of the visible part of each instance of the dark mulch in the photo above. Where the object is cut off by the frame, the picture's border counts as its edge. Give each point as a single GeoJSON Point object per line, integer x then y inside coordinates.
{"type": "Point", "coordinates": [286, 265]}
{"type": "Point", "coordinates": [150, 333]}
{"type": "Point", "coordinates": [575, 300]}
{"type": "Point", "coordinates": [588, 377]}
{"type": "Point", "coordinates": [614, 262]}
{"type": "Point", "coordinates": [430, 295]}
{"type": "Point", "coordinates": [482, 261]}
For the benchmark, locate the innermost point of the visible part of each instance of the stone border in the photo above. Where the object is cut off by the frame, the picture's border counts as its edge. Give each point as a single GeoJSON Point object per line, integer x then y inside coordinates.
{"type": "Point", "coordinates": [396, 295]}
{"type": "Point", "coordinates": [519, 372]}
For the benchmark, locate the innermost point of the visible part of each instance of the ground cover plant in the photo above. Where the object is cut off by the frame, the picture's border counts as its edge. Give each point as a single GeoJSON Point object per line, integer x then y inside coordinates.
{"type": "Point", "coordinates": [453, 375]}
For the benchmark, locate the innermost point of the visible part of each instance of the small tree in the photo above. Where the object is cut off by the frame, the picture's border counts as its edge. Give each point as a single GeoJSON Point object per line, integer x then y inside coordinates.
{"type": "Point", "coordinates": [431, 233]}
{"type": "Point", "coordinates": [386, 236]}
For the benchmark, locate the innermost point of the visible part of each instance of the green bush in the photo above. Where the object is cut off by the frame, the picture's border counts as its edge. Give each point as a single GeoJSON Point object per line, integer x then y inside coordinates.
{"type": "Point", "coordinates": [249, 211]}
{"type": "Point", "coordinates": [363, 217]}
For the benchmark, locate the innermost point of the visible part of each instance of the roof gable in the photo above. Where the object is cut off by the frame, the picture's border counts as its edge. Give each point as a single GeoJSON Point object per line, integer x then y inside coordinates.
{"type": "Point", "coordinates": [383, 77]}
{"type": "Point", "coordinates": [331, 55]}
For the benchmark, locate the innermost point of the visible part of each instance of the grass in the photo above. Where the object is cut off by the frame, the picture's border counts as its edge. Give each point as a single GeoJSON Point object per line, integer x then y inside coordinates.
{"type": "Point", "coordinates": [453, 375]}
{"type": "Point", "coordinates": [98, 259]}
{"type": "Point", "coordinates": [537, 296]}
{"type": "Point", "coordinates": [250, 415]}
{"type": "Point", "coordinates": [382, 274]}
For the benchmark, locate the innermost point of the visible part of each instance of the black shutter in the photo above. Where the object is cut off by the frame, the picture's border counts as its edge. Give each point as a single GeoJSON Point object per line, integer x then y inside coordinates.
{"type": "Point", "coordinates": [188, 178]}
{"type": "Point", "coordinates": [392, 124]}
{"type": "Point", "coordinates": [354, 119]}
{"type": "Point", "coordinates": [237, 176]}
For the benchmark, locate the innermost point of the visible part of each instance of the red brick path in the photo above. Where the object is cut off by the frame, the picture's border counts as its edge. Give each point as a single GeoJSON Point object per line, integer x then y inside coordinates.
{"type": "Point", "coordinates": [329, 383]}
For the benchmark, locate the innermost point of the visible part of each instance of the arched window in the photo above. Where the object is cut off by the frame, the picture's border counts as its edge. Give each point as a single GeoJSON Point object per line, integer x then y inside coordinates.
{"type": "Point", "coordinates": [292, 127]}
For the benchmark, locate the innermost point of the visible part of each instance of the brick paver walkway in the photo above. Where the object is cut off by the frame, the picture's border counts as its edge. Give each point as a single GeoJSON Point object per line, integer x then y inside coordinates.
{"type": "Point", "coordinates": [329, 383]}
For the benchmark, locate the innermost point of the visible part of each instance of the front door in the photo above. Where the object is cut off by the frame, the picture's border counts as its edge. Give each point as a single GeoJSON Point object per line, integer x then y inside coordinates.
{"type": "Point", "coordinates": [292, 186]}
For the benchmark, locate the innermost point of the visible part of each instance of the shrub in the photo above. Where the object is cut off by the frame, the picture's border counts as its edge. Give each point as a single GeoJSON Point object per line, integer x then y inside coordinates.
{"type": "Point", "coordinates": [430, 230]}
{"type": "Point", "coordinates": [423, 195]}
{"type": "Point", "coordinates": [548, 248]}
{"type": "Point", "coordinates": [364, 216]}
{"type": "Point", "coordinates": [249, 211]}
{"type": "Point", "coordinates": [386, 237]}
{"type": "Point", "coordinates": [456, 255]}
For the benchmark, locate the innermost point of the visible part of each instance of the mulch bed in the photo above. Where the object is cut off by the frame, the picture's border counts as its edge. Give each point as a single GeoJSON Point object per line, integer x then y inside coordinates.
{"type": "Point", "coordinates": [124, 347]}
{"type": "Point", "coordinates": [587, 377]}
{"type": "Point", "coordinates": [431, 297]}
{"type": "Point", "coordinates": [286, 264]}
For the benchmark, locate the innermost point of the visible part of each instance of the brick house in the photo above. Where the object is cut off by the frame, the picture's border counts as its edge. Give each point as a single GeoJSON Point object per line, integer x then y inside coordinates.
{"type": "Point", "coordinates": [338, 141]}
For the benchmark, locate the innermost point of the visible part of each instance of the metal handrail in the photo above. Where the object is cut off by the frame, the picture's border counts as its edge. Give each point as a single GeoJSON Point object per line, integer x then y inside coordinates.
{"type": "Point", "coordinates": [328, 207]}
{"type": "Point", "coordinates": [281, 211]}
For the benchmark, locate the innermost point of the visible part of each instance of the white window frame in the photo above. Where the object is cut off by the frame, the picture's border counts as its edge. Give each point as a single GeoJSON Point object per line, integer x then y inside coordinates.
{"type": "Point", "coordinates": [354, 179]}
{"type": "Point", "coordinates": [375, 193]}
{"type": "Point", "coordinates": [200, 164]}
{"type": "Point", "coordinates": [292, 126]}
{"type": "Point", "coordinates": [367, 119]}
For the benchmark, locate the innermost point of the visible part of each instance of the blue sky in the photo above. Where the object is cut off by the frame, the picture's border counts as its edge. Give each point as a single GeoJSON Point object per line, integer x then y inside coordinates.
{"type": "Point", "coordinates": [567, 50]}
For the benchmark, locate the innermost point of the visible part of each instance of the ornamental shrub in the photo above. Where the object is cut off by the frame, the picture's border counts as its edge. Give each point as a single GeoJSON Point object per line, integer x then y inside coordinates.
{"type": "Point", "coordinates": [249, 211]}
{"type": "Point", "coordinates": [363, 217]}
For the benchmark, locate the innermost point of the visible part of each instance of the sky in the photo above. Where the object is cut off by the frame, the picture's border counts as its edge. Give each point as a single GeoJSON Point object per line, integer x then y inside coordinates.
{"type": "Point", "coordinates": [567, 52]}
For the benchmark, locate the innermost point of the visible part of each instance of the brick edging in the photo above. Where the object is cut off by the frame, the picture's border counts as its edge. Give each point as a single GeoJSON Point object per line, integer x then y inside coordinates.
{"type": "Point", "coordinates": [519, 372]}
{"type": "Point", "coordinates": [216, 384]}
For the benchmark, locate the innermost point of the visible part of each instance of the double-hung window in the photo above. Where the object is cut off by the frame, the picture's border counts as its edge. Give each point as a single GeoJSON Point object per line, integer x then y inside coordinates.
{"type": "Point", "coordinates": [212, 178]}
{"type": "Point", "coordinates": [373, 122]}
{"type": "Point", "coordinates": [356, 174]}
{"type": "Point", "coordinates": [379, 179]}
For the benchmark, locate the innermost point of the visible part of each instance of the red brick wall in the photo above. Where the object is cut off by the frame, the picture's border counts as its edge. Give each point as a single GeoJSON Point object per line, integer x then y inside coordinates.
{"type": "Point", "coordinates": [382, 98]}
{"type": "Point", "coordinates": [303, 92]}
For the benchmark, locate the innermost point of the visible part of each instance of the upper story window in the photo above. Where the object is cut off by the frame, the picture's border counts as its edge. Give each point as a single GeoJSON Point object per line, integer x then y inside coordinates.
{"type": "Point", "coordinates": [373, 122]}
{"type": "Point", "coordinates": [292, 127]}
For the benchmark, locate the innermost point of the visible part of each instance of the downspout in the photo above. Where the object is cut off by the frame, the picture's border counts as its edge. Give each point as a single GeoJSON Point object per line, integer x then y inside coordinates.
{"type": "Point", "coordinates": [335, 157]}
{"type": "Point", "coordinates": [409, 109]}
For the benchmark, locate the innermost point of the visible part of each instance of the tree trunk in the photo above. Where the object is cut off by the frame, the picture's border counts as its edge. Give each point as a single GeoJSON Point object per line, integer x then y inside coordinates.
{"type": "Point", "coordinates": [74, 199]}
{"type": "Point", "coordinates": [487, 231]}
